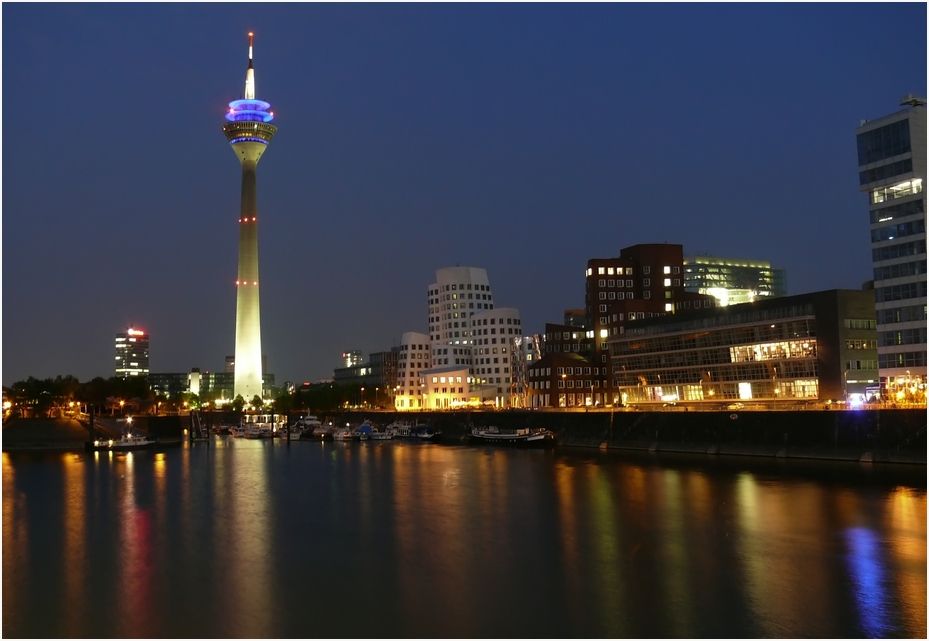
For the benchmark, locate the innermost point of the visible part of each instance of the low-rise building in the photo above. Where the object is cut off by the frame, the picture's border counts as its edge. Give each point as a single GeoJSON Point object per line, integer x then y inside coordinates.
{"type": "Point", "coordinates": [811, 347]}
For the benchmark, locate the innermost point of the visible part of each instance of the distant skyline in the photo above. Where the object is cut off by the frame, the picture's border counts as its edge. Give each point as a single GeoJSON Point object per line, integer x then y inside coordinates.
{"type": "Point", "coordinates": [520, 138]}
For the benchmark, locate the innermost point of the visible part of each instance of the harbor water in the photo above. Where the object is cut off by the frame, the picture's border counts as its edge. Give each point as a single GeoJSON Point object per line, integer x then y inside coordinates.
{"type": "Point", "coordinates": [261, 538]}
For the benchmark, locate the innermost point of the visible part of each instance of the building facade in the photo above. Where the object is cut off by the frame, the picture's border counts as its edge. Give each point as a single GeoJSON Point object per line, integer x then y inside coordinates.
{"type": "Point", "coordinates": [414, 357]}
{"type": "Point", "coordinates": [812, 347]}
{"type": "Point", "coordinates": [892, 172]}
{"type": "Point", "coordinates": [132, 353]}
{"type": "Point", "coordinates": [644, 281]}
{"type": "Point", "coordinates": [465, 330]}
{"type": "Point", "coordinates": [733, 280]}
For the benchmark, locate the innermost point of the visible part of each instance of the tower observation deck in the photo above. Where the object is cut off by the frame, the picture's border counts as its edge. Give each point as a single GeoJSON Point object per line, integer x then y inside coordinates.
{"type": "Point", "coordinates": [249, 130]}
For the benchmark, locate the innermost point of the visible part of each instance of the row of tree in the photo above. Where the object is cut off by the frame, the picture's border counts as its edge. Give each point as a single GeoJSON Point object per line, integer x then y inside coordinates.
{"type": "Point", "coordinates": [51, 397]}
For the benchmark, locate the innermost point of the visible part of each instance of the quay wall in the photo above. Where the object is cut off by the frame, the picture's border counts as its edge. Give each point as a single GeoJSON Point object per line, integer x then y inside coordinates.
{"type": "Point", "coordinates": [885, 435]}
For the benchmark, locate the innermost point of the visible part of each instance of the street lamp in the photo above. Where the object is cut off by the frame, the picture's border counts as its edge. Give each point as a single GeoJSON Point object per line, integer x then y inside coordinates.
{"type": "Point", "coordinates": [362, 397]}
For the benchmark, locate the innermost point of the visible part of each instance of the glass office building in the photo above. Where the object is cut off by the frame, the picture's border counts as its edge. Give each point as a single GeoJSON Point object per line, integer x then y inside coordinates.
{"type": "Point", "coordinates": [733, 280]}
{"type": "Point", "coordinates": [892, 172]}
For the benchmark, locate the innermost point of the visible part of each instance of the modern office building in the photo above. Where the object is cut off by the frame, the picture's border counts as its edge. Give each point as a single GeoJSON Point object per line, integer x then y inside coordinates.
{"type": "Point", "coordinates": [170, 384]}
{"type": "Point", "coordinates": [733, 280]}
{"type": "Point", "coordinates": [353, 357]}
{"type": "Point", "coordinates": [249, 130]}
{"type": "Point", "coordinates": [378, 375]}
{"type": "Point", "coordinates": [644, 281]}
{"type": "Point", "coordinates": [892, 172]}
{"type": "Point", "coordinates": [131, 353]}
{"type": "Point", "coordinates": [811, 347]}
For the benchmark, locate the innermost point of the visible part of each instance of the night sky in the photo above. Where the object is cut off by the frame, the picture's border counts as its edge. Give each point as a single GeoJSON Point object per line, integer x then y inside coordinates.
{"type": "Point", "coordinates": [524, 139]}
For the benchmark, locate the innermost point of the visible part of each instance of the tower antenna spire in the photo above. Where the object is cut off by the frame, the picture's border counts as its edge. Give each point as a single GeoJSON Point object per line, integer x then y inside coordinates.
{"type": "Point", "coordinates": [250, 74]}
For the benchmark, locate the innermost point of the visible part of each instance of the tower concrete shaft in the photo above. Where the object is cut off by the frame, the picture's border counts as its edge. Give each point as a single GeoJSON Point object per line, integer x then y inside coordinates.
{"type": "Point", "coordinates": [249, 130]}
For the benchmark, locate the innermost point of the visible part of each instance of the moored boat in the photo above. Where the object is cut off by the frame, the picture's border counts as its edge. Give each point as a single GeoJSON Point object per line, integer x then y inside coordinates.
{"type": "Point", "coordinates": [323, 431]}
{"type": "Point", "coordinates": [513, 436]}
{"type": "Point", "coordinates": [125, 442]}
{"type": "Point", "coordinates": [342, 434]}
{"type": "Point", "coordinates": [407, 431]}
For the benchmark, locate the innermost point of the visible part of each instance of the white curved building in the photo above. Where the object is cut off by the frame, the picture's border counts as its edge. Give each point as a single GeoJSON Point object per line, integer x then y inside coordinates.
{"type": "Point", "coordinates": [466, 334]}
{"type": "Point", "coordinates": [413, 359]}
{"type": "Point", "coordinates": [494, 336]}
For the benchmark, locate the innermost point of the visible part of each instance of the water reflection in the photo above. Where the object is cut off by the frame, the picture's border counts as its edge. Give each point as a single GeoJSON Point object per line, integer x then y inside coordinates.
{"type": "Point", "coordinates": [261, 539]}
{"type": "Point", "coordinates": [75, 544]}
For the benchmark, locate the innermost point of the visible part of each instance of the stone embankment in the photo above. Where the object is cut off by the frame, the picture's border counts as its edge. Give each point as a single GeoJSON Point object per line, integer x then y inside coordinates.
{"type": "Point", "coordinates": [887, 435]}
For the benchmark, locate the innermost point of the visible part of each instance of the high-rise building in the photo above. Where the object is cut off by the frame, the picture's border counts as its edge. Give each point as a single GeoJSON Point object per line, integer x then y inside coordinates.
{"type": "Point", "coordinates": [353, 357]}
{"type": "Point", "coordinates": [131, 353]}
{"type": "Point", "coordinates": [733, 280]}
{"type": "Point", "coordinates": [249, 130]}
{"type": "Point", "coordinates": [892, 172]}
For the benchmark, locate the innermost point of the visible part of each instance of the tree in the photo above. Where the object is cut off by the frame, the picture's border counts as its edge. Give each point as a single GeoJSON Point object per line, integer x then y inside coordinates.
{"type": "Point", "coordinates": [238, 404]}
{"type": "Point", "coordinates": [257, 403]}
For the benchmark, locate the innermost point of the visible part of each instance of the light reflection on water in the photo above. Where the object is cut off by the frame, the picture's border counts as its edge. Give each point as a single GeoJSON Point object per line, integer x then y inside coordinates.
{"type": "Point", "coordinates": [262, 539]}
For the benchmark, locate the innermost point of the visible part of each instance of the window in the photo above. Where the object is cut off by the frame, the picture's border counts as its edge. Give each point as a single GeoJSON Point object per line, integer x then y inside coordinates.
{"type": "Point", "coordinates": [602, 308]}
{"type": "Point", "coordinates": [646, 282]}
{"type": "Point", "coordinates": [628, 283]}
{"type": "Point", "coordinates": [667, 282]}
{"type": "Point", "coordinates": [600, 271]}
{"type": "Point", "coordinates": [677, 269]}
{"type": "Point", "coordinates": [884, 142]}
{"type": "Point", "coordinates": [667, 269]}
{"type": "Point", "coordinates": [860, 323]}
{"type": "Point", "coordinates": [601, 282]}
{"type": "Point", "coordinates": [646, 295]}
{"type": "Point", "coordinates": [646, 270]}
{"type": "Point", "coordinates": [900, 190]}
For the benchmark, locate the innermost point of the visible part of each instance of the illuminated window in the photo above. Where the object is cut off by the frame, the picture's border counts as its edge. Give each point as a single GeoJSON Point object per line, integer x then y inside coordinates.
{"type": "Point", "coordinates": [667, 269]}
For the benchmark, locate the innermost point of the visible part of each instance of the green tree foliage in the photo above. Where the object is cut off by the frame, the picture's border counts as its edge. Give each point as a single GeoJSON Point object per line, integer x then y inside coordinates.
{"type": "Point", "coordinates": [238, 404]}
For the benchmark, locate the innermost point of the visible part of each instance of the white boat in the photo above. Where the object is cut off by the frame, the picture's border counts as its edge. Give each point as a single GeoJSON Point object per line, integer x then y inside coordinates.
{"type": "Point", "coordinates": [295, 434]}
{"type": "Point", "coordinates": [266, 431]}
{"type": "Point", "coordinates": [308, 423]}
{"type": "Point", "coordinates": [252, 431]}
{"type": "Point", "coordinates": [125, 442]}
{"type": "Point", "coordinates": [237, 431]}
{"type": "Point", "coordinates": [381, 435]}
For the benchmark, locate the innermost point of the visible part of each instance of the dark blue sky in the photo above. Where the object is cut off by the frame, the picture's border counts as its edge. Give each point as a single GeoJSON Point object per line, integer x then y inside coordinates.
{"type": "Point", "coordinates": [524, 139]}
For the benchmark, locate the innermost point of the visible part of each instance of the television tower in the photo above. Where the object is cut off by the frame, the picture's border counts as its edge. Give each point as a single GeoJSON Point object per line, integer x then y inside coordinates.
{"type": "Point", "coordinates": [249, 130]}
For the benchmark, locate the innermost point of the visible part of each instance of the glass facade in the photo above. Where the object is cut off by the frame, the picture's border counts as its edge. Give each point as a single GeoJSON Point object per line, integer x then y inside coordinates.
{"type": "Point", "coordinates": [732, 281]}
{"type": "Point", "coordinates": [893, 150]}
{"type": "Point", "coordinates": [884, 142]}
{"type": "Point", "coordinates": [771, 351]}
